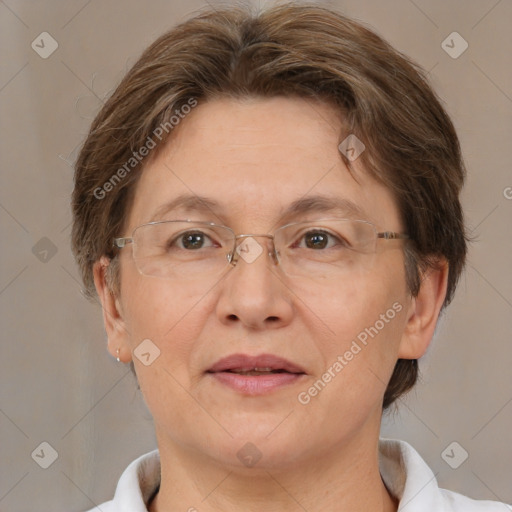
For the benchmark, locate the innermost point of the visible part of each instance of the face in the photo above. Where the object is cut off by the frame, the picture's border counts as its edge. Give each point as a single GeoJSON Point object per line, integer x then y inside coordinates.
{"type": "Point", "coordinates": [340, 336]}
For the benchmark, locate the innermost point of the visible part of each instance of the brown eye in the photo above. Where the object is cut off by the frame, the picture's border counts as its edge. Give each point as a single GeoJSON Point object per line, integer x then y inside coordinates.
{"type": "Point", "coordinates": [193, 240]}
{"type": "Point", "coordinates": [316, 240]}
{"type": "Point", "coordinates": [320, 239]}
{"type": "Point", "coordinates": [190, 241]}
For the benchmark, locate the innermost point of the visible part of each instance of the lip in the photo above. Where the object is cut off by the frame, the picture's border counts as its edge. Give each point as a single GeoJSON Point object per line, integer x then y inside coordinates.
{"type": "Point", "coordinates": [246, 362]}
{"type": "Point", "coordinates": [255, 384]}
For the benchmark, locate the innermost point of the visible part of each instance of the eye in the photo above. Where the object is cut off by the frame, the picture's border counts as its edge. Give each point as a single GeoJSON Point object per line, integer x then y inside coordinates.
{"type": "Point", "coordinates": [320, 239]}
{"type": "Point", "coordinates": [191, 240]}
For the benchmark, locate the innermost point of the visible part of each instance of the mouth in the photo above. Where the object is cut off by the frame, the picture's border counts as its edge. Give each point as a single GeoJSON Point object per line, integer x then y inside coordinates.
{"type": "Point", "coordinates": [262, 364]}
{"type": "Point", "coordinates": [256, 371]}
{"type": "Point", "coordinates": [255, 375]}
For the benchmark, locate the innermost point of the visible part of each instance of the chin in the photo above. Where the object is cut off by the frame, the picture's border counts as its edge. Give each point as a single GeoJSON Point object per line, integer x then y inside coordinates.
{"type": "Point", "coordinates": [253, 449]}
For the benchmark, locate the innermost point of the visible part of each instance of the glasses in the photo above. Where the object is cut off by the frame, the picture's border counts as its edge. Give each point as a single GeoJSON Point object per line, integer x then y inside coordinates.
{"type": "Point", "coordinates": [191, 249]}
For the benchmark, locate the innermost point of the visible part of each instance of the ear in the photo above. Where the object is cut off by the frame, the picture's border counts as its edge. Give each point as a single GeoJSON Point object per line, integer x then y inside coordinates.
{"type": "Point", "coordinates": [115, 325]}
{"type": "Point", "coordinates": [424, 311]}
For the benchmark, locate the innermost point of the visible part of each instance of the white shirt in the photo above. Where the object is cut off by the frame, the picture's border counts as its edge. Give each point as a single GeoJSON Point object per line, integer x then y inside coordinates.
{"type": "Point", "coordinates": [404, 472]}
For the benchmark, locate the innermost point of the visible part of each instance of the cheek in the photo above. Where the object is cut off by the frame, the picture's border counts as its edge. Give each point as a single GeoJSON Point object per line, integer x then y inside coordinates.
{"type": "Point", "coordinates": [171, 316]}
{"type": "Point", "coordinates": [362, 324]}
{"type": "Point", "coordinates": [346, 308]}
{"type": "Point", "coordinates": [156, 307]}
{"type": "Point", "coordinates": [357, 365]}
{"type": "Point", "coordinates": [172, 319]}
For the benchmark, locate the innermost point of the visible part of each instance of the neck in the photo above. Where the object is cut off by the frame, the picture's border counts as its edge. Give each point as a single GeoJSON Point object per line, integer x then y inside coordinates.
{"type": "Point", "coordinates": [346, 477]}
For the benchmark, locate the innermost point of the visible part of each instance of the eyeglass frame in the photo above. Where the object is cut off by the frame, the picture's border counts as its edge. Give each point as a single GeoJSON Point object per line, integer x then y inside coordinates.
{"type": "Point", "coordinates": [121, 242]}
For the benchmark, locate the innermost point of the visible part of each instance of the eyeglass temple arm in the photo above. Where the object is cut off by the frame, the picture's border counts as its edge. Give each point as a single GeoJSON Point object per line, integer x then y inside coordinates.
{"type": "Point", "coordinates": [121, 242]}
{"type": "Point", "coordinates": [392, 235]}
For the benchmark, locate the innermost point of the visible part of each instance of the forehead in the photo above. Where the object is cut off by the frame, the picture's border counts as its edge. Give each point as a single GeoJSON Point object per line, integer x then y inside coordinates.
{"type": "Point", "coordinates": [257, 161]}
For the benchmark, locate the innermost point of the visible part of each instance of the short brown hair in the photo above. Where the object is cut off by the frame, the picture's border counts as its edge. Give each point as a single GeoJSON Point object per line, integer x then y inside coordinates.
{"type": "Point", "coordinates": [292, 49]}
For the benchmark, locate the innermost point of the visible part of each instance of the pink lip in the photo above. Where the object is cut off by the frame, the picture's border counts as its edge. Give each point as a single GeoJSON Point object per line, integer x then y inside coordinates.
{"type": "Point", "coordinates": [255, 384]}
{"type": "Point", "coordinates": [245, 363]}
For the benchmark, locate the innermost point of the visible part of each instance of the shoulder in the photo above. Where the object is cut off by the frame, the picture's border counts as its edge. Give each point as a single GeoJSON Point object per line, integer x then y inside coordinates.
{"type": "Point", "coordinates": [458, 503]}
{"type": "Point", "coordinates": [409, 479]}
{"type": "Point", "coordinates": [108, 506]}
{"type": "Point", "coordinates": [136, 486]}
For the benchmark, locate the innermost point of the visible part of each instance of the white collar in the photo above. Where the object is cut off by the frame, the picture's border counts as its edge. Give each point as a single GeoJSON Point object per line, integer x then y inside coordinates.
{"type": "Point", "coordinates": [408, 478]}
{"type": "Point", "coordinates": [403, 471]}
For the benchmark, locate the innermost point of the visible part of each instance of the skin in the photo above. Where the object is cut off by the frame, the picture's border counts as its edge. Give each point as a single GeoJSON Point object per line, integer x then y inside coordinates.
{"type": "Point", "coordinates": [256, 156]}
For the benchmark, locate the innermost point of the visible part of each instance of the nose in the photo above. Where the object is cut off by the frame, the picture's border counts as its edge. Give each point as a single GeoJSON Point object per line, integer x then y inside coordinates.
{"type": "Point", "coordinates": [254, 293]}
{"type": "Point", "coordinates": [247, 248]}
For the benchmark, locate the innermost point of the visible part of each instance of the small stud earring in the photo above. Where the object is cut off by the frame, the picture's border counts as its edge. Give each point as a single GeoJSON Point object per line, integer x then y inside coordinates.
{"type": "Point", "coordinates": [117, 354]}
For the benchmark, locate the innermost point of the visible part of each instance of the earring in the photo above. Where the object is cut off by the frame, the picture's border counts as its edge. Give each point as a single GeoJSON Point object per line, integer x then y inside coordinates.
{"type": "Point", "coordinates": [117, 354]}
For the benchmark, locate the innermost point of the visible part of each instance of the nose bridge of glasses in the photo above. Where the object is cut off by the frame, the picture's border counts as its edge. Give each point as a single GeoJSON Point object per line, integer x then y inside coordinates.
{"type": "Point", "coordinates": [249, 249]}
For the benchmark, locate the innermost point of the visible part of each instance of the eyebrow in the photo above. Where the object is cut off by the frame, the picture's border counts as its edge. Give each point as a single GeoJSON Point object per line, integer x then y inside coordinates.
{"type": "Point", "coordinates": [309, 204]}
{"type": "Point", "coordinates": [187, 203]}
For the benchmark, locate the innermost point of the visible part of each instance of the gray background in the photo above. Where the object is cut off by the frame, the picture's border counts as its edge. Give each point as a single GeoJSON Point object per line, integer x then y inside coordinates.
{"type": "Point", "coordinates": [60, 386]}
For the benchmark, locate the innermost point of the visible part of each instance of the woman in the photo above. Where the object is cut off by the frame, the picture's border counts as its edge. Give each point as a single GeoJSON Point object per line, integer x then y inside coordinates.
{"type": "Point", "coordinates": [268, 209]}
